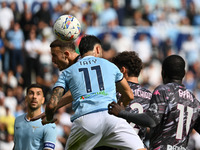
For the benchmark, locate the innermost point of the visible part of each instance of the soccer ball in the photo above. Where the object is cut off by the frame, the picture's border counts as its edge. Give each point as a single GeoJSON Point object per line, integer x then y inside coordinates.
{"type": "Point", "coordinates": [67, 28]}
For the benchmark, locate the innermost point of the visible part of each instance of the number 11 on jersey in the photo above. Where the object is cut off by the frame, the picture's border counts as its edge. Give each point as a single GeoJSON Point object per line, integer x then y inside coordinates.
{"type": "Point", "coordinates": [87, 78]}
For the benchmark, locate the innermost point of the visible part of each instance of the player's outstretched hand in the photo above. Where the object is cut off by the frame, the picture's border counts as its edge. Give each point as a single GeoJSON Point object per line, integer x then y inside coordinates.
{"type": "Point", "coordinates": [44, 120]}
{"type": "Point", "coordinates": [43, 117]}
{"type": "Point", "coordinates": [114, 108]}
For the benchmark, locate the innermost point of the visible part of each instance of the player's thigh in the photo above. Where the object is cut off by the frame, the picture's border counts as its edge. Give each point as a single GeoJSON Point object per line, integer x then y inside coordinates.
{"type": "Point", "coordinates": [121, 135]}
{"type": "Point", "coordinates": [86, 132]}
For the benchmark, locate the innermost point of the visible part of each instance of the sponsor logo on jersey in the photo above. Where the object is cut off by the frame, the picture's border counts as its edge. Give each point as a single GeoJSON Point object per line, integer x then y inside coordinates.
{"type": "Point", "coordinates": [174, 147]}
{"type": "Point", "coordinates": [97, 93]}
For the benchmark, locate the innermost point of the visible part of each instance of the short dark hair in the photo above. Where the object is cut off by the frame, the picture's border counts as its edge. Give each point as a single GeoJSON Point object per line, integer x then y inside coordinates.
{"type": "Point", "coordinates": [63, 45]}
{"type": "Point", "coordinates": [87, 43]}
{"type": "Point", "coordinates": [130, 60]}
{"type": "Point", "coordinates": [174, 67]}
{"type": "Point", "coordinates": [34, 85]}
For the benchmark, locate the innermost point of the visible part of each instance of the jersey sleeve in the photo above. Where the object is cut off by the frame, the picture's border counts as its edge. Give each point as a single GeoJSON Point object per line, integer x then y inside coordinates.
{"type": "Point", "coordinates": [119, 75]}
{"type": "Point", "coordinates": [157, 105]}
{"type": "Point", "coordinates": [63, 80]}
{"type": "Point", "coordinates": [50, 136]}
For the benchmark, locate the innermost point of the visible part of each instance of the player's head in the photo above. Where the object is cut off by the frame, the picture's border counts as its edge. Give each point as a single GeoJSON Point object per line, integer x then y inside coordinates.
{"type": "Point", "coordinates": [63, 53]}
{"type": "Point", "coordinates": [34, 96]}
{"type": "Point", "coordinates": [91, 45]}
{"type": "Point", "coordinates": [129, 61]}
{"type": "Point", "coordinates": [173, 68]}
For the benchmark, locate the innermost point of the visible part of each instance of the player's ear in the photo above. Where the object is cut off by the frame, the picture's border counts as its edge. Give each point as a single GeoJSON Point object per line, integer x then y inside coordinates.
{"type": "Point", "coordinates": [98, 49]}
{"type": "Point", "coordinates": [123, 69]}
{"type": "Point", "coordinates": [66, 54]}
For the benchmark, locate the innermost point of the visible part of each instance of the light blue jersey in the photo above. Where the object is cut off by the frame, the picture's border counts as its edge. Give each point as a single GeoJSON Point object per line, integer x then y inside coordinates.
{"type": "Point", "coordinates": [32, 135]}
{"type": "Point", "coordinates": [92, 83]}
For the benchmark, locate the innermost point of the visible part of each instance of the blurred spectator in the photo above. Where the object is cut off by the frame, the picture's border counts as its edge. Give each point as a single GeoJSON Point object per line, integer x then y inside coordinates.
{"type": "Point", "coordinates": [67, 6]}
{"type": "Point", "coordinates": [122, 43]}
{"type": "Point", "coordinates": [174, 17]}
{"type": "Point", "coordinates": [26, 21]}
{"type": "Point", "coordinates": [6, 16]}
{"type": "Point", "coordinates": [44, 78]}
{"type": "Point", "coordinates": [20, 75]}
{"type": "Point", "coordinates": [138, 20]}
{"type": "Point", "coordinates": [148, 15]}
{"type": "Point", "coordinates": [57, 12]}
{"type": "Point", "coordinates": [15, 10]}
{"type": "Point", "coordinates": [32, 68]}
{"type": "Point", "coordinates": [119, 6]}
{"type": "Point", "coordinates": [108, 17]}
{"type": "Point", "coordinates": [76, 12]}
{"type": "Point", "coordinates": [151, 73]}
{"type": "Point", "coordinates": [166, 48]}
{"type": "Point", "coordinates": [19, 94]}
{"type": "Point", "coordinates": [45, 53]}
{"type": "Point", "coordinates": [189, 81]}
{"type": "Point", "coordinates": [15, 45]}
{"type": "Point", "coordinates": [9, 79]}
{"type": "Point", "coordinates": [190, 50]}
{"type": "Point", "coordinates": [89, 15]}
{"type": "Point", "coordinates": [8, 120]}
{"type": "Point", "coordinates": [191, 11]}
{"type": "Point", "coordinates": [42, 18]}
{"type": "Point", "coordinates": [143, 47]}
{"type": "Point", "coordinates": [8, 144]}
{"type": "Point", "coordinates": [64, 121]}
{"type": "Point", "coordinates": [10, 100]}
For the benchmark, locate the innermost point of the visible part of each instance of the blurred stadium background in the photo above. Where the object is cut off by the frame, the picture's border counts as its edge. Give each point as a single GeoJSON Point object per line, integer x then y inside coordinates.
{"type": "Point", "coordinates": [152, 28]}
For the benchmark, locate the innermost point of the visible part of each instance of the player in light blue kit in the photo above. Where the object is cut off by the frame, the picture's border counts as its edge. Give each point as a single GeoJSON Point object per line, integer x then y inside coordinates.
{"type": "Point", "coordinates": [32, 135]}
{"type": "Point", "coordinates": [93, 82]}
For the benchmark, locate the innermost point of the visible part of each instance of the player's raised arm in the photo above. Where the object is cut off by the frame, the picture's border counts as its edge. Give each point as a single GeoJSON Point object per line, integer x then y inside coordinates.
{"type": "Point", "coordinates": [140, 119]}
{"type": "Point", "coordinates": [66, 99]}
{"type": "Point", "coordinates": [125, 90]}
{"type": "Point", "coordinates": [53, 102]}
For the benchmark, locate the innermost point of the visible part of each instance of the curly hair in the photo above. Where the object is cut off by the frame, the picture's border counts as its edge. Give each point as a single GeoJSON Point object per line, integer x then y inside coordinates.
{"type": "Point", "coordinates": [129, 60]}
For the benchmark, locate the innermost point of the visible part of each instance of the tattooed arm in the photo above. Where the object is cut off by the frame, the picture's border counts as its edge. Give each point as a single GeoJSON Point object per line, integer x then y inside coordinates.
{"type": "Point", "coordinates": [53, 102]}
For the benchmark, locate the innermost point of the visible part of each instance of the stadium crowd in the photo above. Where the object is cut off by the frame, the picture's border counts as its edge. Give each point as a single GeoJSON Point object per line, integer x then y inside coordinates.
{"type": "Point", "coordinates": [153, 28]}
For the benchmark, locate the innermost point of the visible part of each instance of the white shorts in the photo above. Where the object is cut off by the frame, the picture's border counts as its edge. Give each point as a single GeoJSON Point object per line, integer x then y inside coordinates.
{"type": "Point", "coordinates": [102, 129]}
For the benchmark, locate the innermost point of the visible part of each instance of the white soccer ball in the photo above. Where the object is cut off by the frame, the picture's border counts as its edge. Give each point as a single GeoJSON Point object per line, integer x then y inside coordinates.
{"type": "Point", "coordinates": [67, 28]}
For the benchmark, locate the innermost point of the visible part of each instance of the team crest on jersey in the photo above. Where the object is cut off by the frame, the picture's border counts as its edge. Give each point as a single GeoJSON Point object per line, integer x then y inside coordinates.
{"type": "Point", "coordinates": [34, 127]}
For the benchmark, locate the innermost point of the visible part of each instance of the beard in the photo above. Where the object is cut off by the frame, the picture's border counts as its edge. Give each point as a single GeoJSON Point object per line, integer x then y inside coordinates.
{"type": "Point", "coordinates": [33, 108]}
